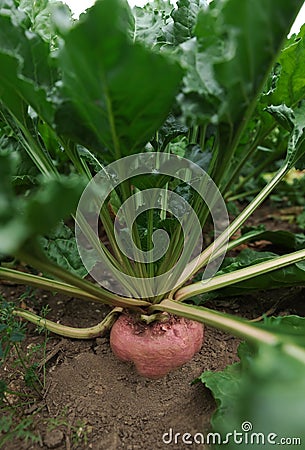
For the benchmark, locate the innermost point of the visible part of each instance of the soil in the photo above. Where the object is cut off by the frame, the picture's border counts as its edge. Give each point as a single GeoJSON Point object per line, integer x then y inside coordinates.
{"type": "Point", "coordinates": [92, 400]}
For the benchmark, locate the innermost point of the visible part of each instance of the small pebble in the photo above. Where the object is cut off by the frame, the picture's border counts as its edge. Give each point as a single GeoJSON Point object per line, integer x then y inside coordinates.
{"type": "Point", "coordinates": [53, 438]}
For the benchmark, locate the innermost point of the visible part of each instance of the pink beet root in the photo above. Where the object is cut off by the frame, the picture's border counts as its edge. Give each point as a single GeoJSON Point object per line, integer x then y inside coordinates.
{"type": "Point", "coordinates": [158, 348]}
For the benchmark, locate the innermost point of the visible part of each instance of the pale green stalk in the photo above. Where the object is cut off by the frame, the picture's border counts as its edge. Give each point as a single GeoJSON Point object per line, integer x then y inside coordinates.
{"type": "Point", "coordinates": [225, 322]}
{"type": "Point", "coordinates": [62, 274]}
{"type": "Point", "coordinates": [71, 332]}
{"type": "Point", "coordinates": [235, 326]}
{"type": "Point", "coordinates": [45, 283]}
{"type": "Point", "coordinates": [219, 246]}
{"type": "Point", "coordinates": [237, 276]}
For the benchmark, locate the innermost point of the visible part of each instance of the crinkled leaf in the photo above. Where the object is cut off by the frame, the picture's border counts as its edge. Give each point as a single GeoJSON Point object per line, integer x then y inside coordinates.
{"type": "Point", "coordinates": [9, 8]}
{"type": "Point", "coordinates": [126, 91]}
{"type": "Point", "coordinates": [289, 79]}
{"type": "Point", "coordinates": [154, 24]}
{"type": "Point", "coordinates": [185, 18]}
{"type": "Point", "coordinates": [60, 246]}
{"type": "Point", "coordinates": [195, 154]}
{"type": "Point", "coordinates": [294, 121]}
{"type": "Point", "coordinates": [171, 129]}
{"type": "Point", "coordinates": [162, 24]}
{"type": "Point", "coordinates": [45, 16]}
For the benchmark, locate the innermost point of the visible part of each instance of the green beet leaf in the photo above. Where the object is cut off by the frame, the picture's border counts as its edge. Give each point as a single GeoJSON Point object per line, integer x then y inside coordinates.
{"type": "Point", "coordinates": [21, 84]}
{"type": "Point", "coordinates": [114, 93]}
{"type": "Point", "coordinates": [154, 24]}
{"type": "Point", "coordinates": [185, 18]}
{"type": "Point", "coordinates": [294, 121]}
{"type": "Point", "coordinates": [46, 16]}
{"type": "Point", "coordinates": [288, 75]}
{"type": "Point", "coordinates": [231, 59]}
{"type": "Point", "coordinates": [282, 239]}
{"type": "Point", "coordinates": [61, 248]}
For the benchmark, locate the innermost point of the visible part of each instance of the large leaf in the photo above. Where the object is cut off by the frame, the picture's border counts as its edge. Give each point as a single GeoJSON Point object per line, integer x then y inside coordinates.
{"type": "Point", "coordinates": [32, 52]}
{"type": "Point", "coordinates": [27, 72]}
{"type": "Point", "coordinates": [117, 92]}
{"type": "Point", "coordinates": [286, 94]}
{"type": "Point", "coordinates": [289, 77]}
{"type": "Point", "coordinates": [276, 405]}
{"type": "Point", "coordinates": [231, 59]}
{"type": "Point", "coordinates": [14, 90]}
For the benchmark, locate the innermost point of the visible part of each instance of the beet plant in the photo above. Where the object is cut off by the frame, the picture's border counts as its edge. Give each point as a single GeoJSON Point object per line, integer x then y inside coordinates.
{"type": "Point", "coordinates": [140, 126]}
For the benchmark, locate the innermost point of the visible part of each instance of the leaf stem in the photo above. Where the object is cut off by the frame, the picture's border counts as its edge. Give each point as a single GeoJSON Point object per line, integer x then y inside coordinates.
{"type": "Point", "coordinates": [71, 332]}
{"type": "Point", "coordinates": [246, 273]}
{"type": "Point", "coordinates": [40, 158]}
{"type": "Point", "coordinates": [45, 283]}
{"type": "Point", "coordinates": [231, 324]}
{"type": "Point", "coordinates": [218, 247]}
{"type": "Point", "coordinates": [62, 274]}
{"type": "Point", "coordinates": [237, 326]}
{"type": "Point", "coordinates": [258, 170]}
{"type": "Point", "coordinates": [240, 164]}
